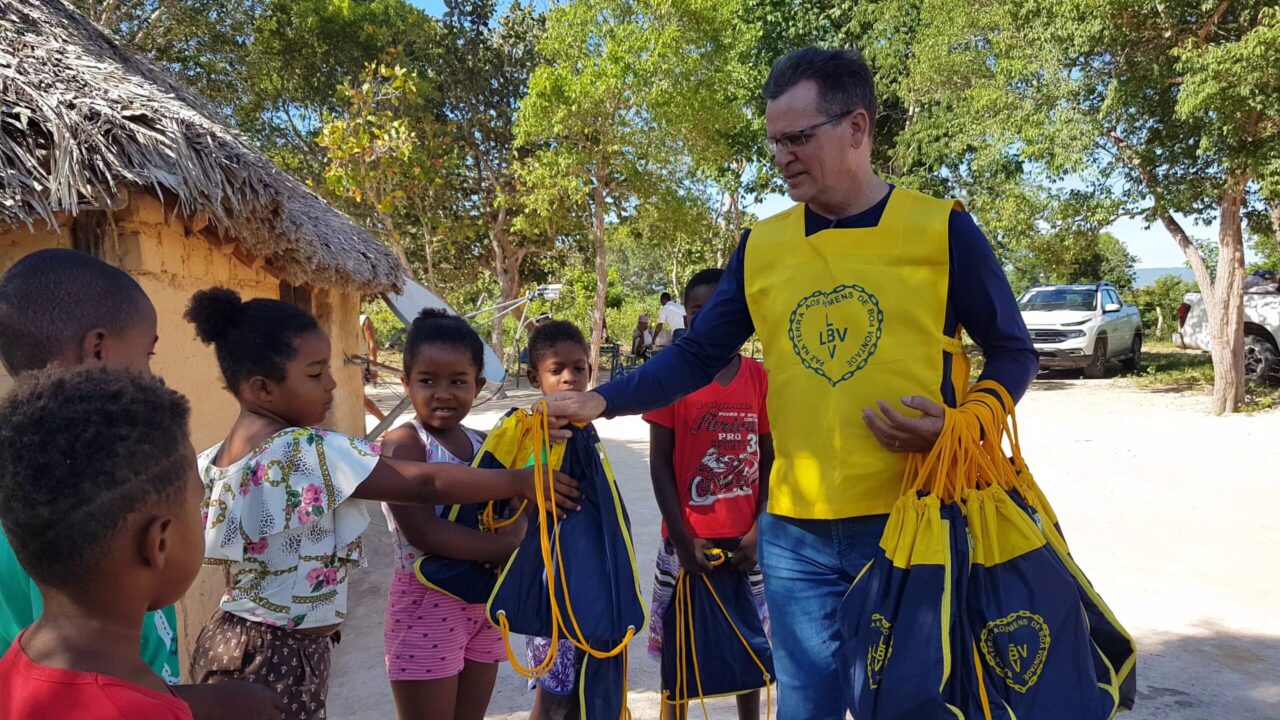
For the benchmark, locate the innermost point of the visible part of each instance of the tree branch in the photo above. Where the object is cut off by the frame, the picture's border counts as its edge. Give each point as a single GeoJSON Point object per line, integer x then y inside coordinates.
{"type": "Point", "coordinates": [1212, 23]}
{"type": "Point", "coordinates": [146, 27]}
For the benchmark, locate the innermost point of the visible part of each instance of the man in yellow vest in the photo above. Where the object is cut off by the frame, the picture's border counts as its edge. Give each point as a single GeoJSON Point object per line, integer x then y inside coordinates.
{"type": "Point", "coordinates": [857, 295]}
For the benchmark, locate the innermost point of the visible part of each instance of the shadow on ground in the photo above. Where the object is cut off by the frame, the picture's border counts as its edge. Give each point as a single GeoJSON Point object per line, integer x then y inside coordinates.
{"type": "Point", "coordinates": [1216, 673]}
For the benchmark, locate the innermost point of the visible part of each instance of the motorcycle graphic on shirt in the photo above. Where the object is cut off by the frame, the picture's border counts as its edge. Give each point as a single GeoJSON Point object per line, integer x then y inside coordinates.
{"type": "Point", "coordinates": [727, 471]}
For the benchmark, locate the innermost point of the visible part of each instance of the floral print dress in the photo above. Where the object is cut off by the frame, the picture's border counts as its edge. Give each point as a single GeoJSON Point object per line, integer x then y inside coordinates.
{"type": "Point", "coordinates": [282, 522]}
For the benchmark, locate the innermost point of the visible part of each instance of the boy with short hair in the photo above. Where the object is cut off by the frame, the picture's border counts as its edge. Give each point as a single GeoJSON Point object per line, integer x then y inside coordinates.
{"type": "Point", "coordinates": [62, 308]}
{"type": "Point", "coordinates": [710, 457]}
{"type": "Point", "coordinates": [99, 494]}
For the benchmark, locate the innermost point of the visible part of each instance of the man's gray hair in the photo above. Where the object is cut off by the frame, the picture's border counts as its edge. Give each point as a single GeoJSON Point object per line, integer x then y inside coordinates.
{"type": "Point", "coordinates": [843, 78]}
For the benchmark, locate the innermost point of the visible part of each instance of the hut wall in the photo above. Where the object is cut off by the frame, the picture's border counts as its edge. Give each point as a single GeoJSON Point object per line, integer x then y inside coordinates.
{"type": "Point", "coordinates": [171, 262]}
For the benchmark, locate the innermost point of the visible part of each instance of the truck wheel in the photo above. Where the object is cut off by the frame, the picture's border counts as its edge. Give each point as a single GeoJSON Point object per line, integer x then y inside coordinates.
{"type": "Point", "coordinates": [1097, 367]}
{"type": "Point", "coordinates": [1261, 360]}
{"type": "Point", "coordinates": [1134, 361]}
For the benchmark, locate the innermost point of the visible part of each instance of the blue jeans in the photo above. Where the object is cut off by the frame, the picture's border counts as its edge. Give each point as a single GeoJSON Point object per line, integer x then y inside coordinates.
{"type": "Point", "coordinates": [808, 566]}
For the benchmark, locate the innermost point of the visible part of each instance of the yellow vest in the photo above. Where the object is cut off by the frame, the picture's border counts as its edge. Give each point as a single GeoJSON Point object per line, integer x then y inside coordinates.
{"type": "Point", "coordinates": [846, 317]}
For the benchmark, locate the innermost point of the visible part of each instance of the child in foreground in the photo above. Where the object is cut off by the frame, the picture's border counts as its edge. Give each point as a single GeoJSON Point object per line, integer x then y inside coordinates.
{"type": "Point", "coordinates": [442, 655]}
{"type": "Point", "coordinates": [99, 494]}
{"type": "Point", "coordinates": [62, 308]}
{"type": "Point", "coordinates": [277, 489]}
{"type": "Point", "coordinates": [710, 457]}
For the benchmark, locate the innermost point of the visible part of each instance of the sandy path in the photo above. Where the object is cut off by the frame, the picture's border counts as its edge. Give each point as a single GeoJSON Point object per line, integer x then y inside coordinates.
{"type": "Point", "coordinates": [1172, 513]}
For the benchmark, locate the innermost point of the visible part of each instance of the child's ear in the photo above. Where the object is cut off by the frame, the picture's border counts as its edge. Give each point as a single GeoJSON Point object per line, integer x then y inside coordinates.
{"type": "Point", "coordinates": [91, 347]}
{"type": "Point", "coordinates": [532, 376]}
{"type": "Point", "coordinates": [404, 382]}
{"type": "Point", "coordinates": [479, 384]}
{"type": "Point", "coordinates": [259, 389]}
{"type": "Point", "coordinates": [156, 541]}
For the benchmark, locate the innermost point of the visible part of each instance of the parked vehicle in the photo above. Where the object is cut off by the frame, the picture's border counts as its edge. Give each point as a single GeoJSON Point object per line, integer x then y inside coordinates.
{"type": "Point", "coordinates": [1082, 326]}
{"type": "Point", "coordinates": [1261, 328]}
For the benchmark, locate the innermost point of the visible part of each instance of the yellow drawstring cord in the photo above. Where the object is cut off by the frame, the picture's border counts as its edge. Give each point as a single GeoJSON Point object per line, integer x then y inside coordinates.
{"type": "Point", "coordinates": [683, 599]}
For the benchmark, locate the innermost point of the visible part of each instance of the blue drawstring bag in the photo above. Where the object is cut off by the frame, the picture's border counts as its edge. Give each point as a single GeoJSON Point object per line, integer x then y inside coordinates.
{"type": "Point", "coordinates": [1116, 652]}
{"type": "Point", "coordinates": [469, 580]}
{"type": "Point", "coordinates": [575, 578]}
{"type": "Point", "coordinates": [713, 641]}
{"type": "Point", "coordinates": [899, 618]}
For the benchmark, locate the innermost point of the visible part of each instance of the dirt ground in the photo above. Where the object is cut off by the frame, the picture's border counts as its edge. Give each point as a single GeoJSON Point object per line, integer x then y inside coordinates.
{"type": "Point", "coordinates": [1173, 514]}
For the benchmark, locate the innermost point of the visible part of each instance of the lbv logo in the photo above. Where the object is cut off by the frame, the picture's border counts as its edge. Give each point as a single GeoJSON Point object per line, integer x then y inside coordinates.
{"type": "Point", "coordinates": [831, 337]}
{"type": "Point", "coordinates": [1017, 653]}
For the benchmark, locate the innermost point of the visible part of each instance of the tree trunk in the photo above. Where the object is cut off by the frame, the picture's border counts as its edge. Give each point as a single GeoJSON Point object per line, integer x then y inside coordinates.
{"type": "Point", "coordinates": [397, 247]}
{"type": "Point", "coordinates": [1223, 296]}
{"type": "Point", "coordinates": [1275, 221]}
{"type": "Point", "coordinates": [506, 266]}
{"type": "Point", "coordinates": [1159, 322]}
{"type": "Point", "coordinates": [1228, 341]}
{"type": "Point", "coordinates": [602, 276]}
{"type": "Point", "coordinates": [428, 245]}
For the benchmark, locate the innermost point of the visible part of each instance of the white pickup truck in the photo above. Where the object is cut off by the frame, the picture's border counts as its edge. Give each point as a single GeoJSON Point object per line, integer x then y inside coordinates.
{"type": "Point", "coordinates": [1261, 330]}
{"type": "Point", "coordinates": [1082, 327]}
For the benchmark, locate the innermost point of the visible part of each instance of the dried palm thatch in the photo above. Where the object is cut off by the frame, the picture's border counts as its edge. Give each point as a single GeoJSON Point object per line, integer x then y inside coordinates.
{"type": "Point", "coordinates": [82, 119]}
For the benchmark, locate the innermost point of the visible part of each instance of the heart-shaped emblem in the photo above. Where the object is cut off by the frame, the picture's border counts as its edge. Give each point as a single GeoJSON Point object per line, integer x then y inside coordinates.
{"type": "Point", "coordinates": [879, 650]}
{"type": "Point", "coordinates": [835, 333]}
{"type": "Point", "coordinates": [1016, 646]}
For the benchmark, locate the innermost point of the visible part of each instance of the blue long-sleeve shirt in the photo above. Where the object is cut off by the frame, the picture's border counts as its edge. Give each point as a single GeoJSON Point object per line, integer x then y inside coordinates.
{"type": "Point", "coordinates": [978, 298]}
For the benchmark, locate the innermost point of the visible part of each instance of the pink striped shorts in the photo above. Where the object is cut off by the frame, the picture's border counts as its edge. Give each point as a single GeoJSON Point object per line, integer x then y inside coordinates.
{"type": "Point", "coordinates": [429, 635]}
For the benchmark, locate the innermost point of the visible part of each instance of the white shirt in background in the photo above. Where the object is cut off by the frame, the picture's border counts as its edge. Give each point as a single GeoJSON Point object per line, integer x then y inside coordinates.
{"type": "Point", "coordinates": [671, 317]}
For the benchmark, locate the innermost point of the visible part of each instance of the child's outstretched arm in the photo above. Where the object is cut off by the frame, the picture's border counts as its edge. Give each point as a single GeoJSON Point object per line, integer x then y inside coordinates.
{"type": "Point", "coordinates": [419, 483]}
{"type": "Point", "coordinates": [662, 444]}
{"type": "Point", "coordinates": [436, 536]}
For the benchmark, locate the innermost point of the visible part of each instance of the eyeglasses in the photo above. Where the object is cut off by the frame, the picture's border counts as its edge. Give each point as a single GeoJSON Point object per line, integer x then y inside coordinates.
{"type": "Point", "coordinates": [798, 138]}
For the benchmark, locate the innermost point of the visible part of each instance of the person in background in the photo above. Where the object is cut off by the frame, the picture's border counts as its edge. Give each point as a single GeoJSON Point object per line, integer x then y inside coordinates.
{"type": "Point", "coordinates": [671, 322]}
{"type": "Point", "coordinates": [369, 347]}
{"type": "Point", "coordinates": [642, 339]}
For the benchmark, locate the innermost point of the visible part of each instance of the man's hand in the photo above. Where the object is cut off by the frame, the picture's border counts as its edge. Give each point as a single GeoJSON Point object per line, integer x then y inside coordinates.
{"type": "Point", "coordinates": [744, 556]}
{"type": "Point", "coordinates": [566, 490]}
{"type": "Point", "coordinates": [899, 433]}
{"type": "Point", "coordinates": [231, 700]}
{"type": "Point", "coordinates": [572, 407]}
{"type": "Point", "coordinates": [693, 555]}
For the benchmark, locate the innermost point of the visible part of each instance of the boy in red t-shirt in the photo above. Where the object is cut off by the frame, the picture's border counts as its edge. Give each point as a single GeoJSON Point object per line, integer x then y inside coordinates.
{"type": "Point", "coordinates": [100, 498]}
{"type": "Point", "coordinates": [710, 456]}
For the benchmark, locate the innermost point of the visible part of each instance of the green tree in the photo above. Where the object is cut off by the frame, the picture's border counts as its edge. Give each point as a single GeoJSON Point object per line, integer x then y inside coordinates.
{"type": "Point", "coordinates": [1164, 109]}
{"type": "Point", "coordinates": [303, 51]}
{"type": "Point", "coordinates": [605, 115]}
{"type": "Point", "coordinates": [388, 150]}
{"type": "Point", "coordinates": [486, 69]}
{"type": "Point", "coordinates": [202, 42]}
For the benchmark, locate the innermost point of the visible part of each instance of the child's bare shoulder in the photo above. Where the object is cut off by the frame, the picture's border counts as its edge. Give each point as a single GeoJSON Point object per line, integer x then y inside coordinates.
{"type": "Point", "coordinates": [404, 437]}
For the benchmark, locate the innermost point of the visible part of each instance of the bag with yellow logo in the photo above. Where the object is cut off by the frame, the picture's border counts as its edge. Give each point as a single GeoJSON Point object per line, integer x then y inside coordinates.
{"type": "Point", "coordinates": [992, 620]}
{"type": "Point", "coordinates": [1025, 607]}
{"type": "Point", "coordinates": [1117, 653]}
{"type": "Point", "coordinates": [904, 615]}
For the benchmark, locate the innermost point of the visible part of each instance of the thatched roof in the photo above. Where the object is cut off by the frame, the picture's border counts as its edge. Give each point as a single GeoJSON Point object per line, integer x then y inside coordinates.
{"type": "Point", "coordinates": [82, 118]}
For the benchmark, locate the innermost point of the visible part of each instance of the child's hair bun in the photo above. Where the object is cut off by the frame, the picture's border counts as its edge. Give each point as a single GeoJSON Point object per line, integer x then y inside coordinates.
{"type": "Point", "coordinates": [215, 313]}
